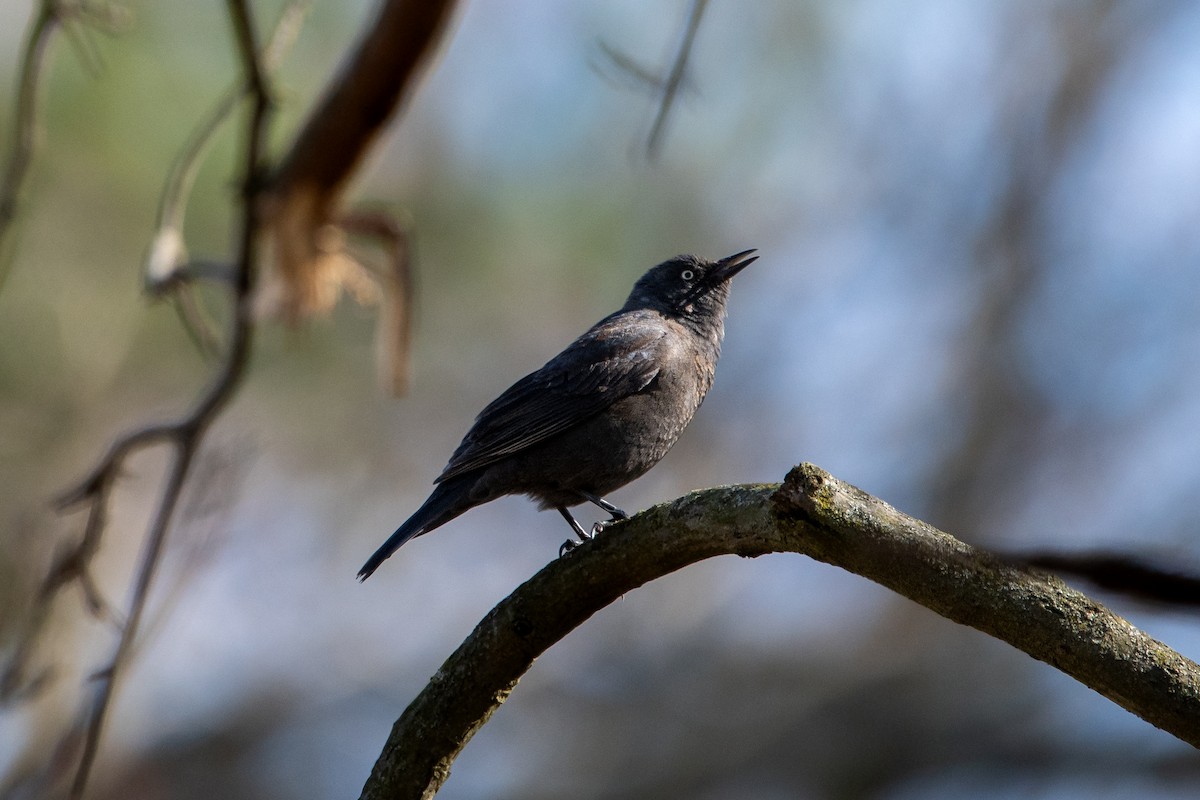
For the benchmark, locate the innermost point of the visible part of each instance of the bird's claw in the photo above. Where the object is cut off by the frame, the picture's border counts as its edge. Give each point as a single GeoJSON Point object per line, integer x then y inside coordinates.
{"type": "Point", "coordinates": [600, 526]}
{"type": "Point", "coordinates": [597, 528]}
{"type": "Point", "coordinates": [571, 544]}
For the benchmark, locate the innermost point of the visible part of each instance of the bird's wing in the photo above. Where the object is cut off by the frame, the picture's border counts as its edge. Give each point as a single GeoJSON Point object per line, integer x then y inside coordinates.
{"type": "Point", "coordinates": [609, 362]}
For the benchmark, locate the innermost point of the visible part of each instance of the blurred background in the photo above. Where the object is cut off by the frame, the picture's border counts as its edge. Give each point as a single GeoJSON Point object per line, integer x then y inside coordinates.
{"type": "Point", "coordinates": [978, 298]}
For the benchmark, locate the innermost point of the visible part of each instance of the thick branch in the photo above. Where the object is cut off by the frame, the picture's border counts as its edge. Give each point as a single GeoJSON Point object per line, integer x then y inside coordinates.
{"type": "Point", "coordinates": [1118, 572]}
{"type": "Point", "coordinates": [815, 514]}
{"type": "Point", "coordinates": [306, 191]}
{"type": "Point", "coordinates": [364, 95]}
{"type": "Point", "coordinates": [1031, 610]}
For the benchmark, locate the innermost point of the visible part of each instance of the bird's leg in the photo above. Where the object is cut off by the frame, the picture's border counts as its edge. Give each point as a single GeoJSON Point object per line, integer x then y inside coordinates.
{"type": "Point", "coordinates": [570, 544]}
{"type": "Point", "coordinates": [617, 514]}
{"type": "Point", "coordinates": [607, 506]}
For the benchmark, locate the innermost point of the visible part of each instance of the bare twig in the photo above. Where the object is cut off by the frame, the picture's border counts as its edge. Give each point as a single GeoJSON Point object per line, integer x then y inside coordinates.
{"type": "Point", "coordinates": [167, 268]}
{"type": "Point", "coordinates": [675, 79]}
{"type": "Point", "coordinates": [811, 513]}
{"type": "Point", "coordinates": [49, 16]}
{"type": "Point", "coordinates": [185, 435]}
{"type": "Point", "coordinates": [624, 71]}
{"type": "Point", "coordinates": [21, 140]}
{"type": "Point", "coordinates": [167, 263]}
{"type": "Point", "coordinates": [73, 563]}
{"type": "Point", "coordinates": [106, 678]}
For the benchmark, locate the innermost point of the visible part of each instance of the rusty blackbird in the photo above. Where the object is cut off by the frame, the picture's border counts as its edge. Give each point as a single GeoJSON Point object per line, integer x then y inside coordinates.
{"type": "Point", "coordinates": [597, 415]}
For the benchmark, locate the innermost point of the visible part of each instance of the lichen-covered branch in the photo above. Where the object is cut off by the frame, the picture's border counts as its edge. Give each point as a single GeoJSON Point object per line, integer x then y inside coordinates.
{"type": "Point", "coordinates": [1032, 610]}
{"type": "Point", "coordinates": [817, 515]}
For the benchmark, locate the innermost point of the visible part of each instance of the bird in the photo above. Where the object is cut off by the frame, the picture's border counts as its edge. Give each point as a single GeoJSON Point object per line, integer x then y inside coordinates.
{"type": "Point", "coordinates": [600, 413]}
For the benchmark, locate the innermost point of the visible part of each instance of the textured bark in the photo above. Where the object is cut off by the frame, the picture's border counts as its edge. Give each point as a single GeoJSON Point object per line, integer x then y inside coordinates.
{"type": "Point", "coordinates": [1033, 611]}
{"type": "Point", "coordinates": [811, 513]}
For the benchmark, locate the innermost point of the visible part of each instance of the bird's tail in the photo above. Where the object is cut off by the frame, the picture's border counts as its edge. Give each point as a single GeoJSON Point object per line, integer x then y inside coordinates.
{"type": "Point", "coordinates": [448, 500]}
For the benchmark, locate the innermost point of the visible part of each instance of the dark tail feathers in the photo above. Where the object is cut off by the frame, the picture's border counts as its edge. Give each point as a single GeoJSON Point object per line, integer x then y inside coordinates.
{"type": "Point", "coordinates": [448, 500]}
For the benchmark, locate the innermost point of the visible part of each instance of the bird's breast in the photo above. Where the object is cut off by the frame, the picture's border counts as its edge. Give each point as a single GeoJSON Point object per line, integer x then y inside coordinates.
{"type": "Point", "coordinates": [649, 423]}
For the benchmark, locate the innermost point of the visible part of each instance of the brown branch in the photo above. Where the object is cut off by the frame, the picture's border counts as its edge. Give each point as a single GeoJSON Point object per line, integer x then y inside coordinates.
{"type": "Point", "coordinates": [369, 89]}
{"type": "Point", "coordinates": [815, 514]}
{"type": "Point", "coordinates": [306, 190]}
{"type": "Point", "coordinates": [107, 677]}
{"type": "Point", "coordinates": [186, 434]}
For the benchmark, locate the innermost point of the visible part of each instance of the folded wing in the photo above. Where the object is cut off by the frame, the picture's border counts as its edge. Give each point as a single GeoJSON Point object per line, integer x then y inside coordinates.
{"type": "Point", "coordinates": [609, 362]}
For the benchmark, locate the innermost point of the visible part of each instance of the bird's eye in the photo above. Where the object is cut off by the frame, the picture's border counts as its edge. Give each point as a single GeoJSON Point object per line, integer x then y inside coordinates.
{"type": "Point", "coordinates": [687, 274]}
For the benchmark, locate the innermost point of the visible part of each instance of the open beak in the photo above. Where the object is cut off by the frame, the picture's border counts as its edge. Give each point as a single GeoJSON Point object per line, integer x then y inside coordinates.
{"type": "Point", "coordinates": [728, 267]}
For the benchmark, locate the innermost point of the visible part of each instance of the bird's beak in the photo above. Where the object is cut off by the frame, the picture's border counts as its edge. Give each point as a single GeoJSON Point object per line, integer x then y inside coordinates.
{"type": "Point", "coordinates": [728, 267]}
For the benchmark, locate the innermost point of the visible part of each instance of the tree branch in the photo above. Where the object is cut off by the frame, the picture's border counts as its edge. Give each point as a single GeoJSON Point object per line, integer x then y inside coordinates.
{"type": "Point", "coordinates": [50, 16]}
{"type": "Point", "coordinates": [817, 515]}
{"type": "Point", "coordinates": [186, 434]}
{"type": "Point", "coordinates": [167, 267]}
{"type": "Point", "coordinates": [1117, 572]}
{"type": "Point", "coordinates": [675, 79]}
{"type": "Point", "coordinates": [306, 191]}
{"type": "Point", "coordinates": [21, 139]}
{"type": "Point", "coordinates": [378, 76]}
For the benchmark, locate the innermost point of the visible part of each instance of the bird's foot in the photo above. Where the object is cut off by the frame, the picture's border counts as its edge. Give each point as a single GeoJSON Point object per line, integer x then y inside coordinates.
{"type": "Point", "coordinates": [571, 544]}
{"type": "Point", "coordinates": [617, 516]}
{"type": "Point", "coordinates": [583, 535]}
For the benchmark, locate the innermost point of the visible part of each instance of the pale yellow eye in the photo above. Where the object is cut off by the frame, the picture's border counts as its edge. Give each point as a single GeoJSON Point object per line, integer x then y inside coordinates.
{"type": "Point", "coordinates": [687, 274]}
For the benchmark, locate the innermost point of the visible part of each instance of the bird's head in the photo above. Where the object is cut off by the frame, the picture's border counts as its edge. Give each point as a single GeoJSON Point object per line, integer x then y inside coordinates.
{"type": "Point", "coordinates": [689, 287]}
